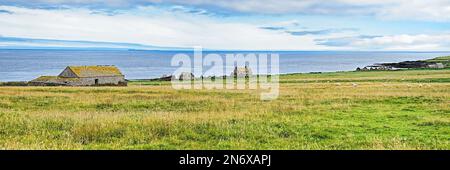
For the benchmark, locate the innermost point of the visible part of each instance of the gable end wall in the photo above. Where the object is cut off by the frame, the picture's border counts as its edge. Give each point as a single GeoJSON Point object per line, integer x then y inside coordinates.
{"type": "Point", "coordinates": [68, 73]}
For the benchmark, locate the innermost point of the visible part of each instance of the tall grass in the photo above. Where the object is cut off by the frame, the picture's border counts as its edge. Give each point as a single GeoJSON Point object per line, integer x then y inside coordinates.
{"type": "Point", "coordinates": [386, 110]}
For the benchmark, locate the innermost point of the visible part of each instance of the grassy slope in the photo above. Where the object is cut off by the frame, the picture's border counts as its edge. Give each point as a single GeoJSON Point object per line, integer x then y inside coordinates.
{"type": "Point", "coordinates": [387, 110]}
{"type": "Point", "coordinates": [444, 60]}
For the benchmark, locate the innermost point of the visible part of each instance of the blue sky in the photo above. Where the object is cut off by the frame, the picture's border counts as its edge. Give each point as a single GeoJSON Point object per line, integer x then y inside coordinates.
{"type": "Point", "coordinates": [415, 25]}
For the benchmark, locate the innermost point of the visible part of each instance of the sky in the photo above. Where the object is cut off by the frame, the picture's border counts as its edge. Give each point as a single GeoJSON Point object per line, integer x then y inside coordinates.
{"type": "Point", "coordinates": [360, 25]}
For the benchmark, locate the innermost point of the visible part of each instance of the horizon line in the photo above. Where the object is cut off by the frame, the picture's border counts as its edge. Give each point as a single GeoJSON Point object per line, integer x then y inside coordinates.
{"type": "Point", "coordinates": [211, 50]}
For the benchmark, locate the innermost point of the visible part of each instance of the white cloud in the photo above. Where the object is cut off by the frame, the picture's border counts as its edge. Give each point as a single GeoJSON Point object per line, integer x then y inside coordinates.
{"type": "Point", "coordinates": [435, 10]}
{"type": "Point", "coordinates": [419, 42]}
{"type": "Point", "coordinates": [407, 42]}
{"type": "Point", "coordinates": [146, 25]}
{"type": "Point", "coordinates": [150, 25]}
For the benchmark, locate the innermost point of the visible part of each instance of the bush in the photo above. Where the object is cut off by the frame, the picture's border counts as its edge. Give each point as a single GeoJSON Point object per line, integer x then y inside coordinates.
{"type": "Point", "coordinates": [16, 83]}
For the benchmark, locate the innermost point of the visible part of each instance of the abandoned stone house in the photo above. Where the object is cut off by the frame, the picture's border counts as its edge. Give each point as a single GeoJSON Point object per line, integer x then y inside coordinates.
{"type": "Point", "coordinates": [242, 72]}
{"type": "Point", "coordinates": [84, 76]}
{"type": "Point", "coordinates": [186, 76]}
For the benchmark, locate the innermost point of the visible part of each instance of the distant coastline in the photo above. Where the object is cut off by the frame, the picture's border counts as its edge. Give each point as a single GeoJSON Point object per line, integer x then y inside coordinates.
{"type": "Point", "coordinates": [25, 65]}
{"type": "Point", "coordinates": [205, 50]}
{"type": "Point", "coordinates": [444, 60]}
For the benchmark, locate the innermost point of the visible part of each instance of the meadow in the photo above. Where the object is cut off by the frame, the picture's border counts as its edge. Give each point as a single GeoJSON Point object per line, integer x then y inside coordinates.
{"type": "Point", "coordinates": [408, 109]}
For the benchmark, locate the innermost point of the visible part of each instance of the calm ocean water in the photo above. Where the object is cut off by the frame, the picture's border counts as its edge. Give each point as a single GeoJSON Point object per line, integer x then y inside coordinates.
{"type": "Point", "coordinates": [24, 65]}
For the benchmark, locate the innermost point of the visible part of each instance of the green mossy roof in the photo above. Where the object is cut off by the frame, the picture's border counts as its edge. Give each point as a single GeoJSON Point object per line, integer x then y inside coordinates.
{"type": "Point", "coordinates": [54, 79]}
{"type": "Point", "coordinates": [95, 71]}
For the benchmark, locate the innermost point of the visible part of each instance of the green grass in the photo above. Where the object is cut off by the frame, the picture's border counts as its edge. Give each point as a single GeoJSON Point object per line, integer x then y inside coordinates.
{"type": "Point", "coordinates": [386, 110]}
{"type": "Point", "coordinates": [444, 60]}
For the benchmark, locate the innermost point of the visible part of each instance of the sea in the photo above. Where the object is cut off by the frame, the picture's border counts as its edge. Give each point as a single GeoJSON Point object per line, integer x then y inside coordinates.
{"type": "Point", "coordinates": [25, 65]}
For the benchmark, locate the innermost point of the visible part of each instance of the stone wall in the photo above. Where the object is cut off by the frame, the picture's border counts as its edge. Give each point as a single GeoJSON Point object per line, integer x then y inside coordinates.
{"type": "Point", "coordinates": [115, 80]}
{"type": "Point", "coordinates": [67, 73]}
{"type": "Point", "coordinates": [101, 81]}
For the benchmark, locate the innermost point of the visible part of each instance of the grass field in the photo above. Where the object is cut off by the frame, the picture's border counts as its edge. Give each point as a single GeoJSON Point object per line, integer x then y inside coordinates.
{"type": "Point", "coordinates": [385, 110]}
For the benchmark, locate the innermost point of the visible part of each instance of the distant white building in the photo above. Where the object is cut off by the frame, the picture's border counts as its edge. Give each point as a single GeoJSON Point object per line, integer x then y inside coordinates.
{"type": "Point", "coordinates": [436, 65]}
{"type": "Point", "coordinates": [377, 67]}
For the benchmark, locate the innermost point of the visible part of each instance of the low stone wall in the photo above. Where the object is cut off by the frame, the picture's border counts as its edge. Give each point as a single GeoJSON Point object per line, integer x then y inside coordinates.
{"type": "Point", "coordinates": [97, 81]}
